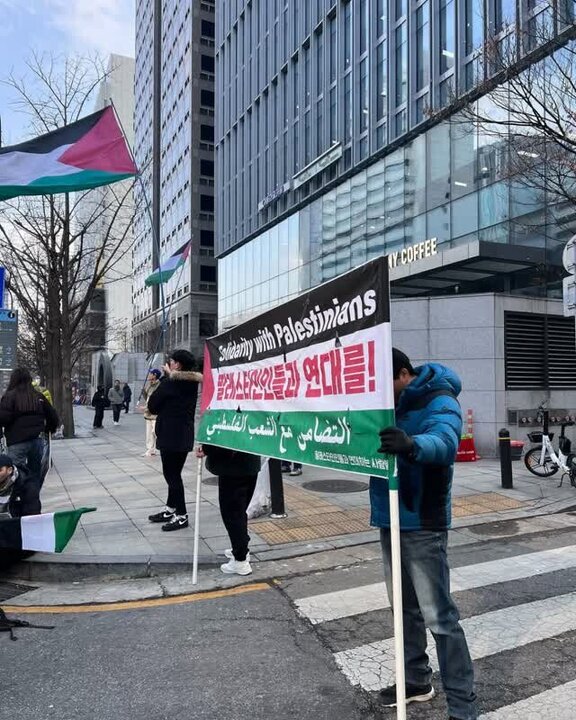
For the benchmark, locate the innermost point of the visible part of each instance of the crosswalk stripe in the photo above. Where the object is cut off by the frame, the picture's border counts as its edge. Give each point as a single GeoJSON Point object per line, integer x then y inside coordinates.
{"type": "Point", "coordinates": [372, 666]}
{"type": "Point", "coordinates": [367, 598]}
{"type": "Point", "coordinates": [559, 701]}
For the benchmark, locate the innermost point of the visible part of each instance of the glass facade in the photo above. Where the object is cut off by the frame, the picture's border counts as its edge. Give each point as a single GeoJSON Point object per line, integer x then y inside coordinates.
{"type": "Point", "coordinates": [334, 180]}
{"type": "Point", "coordinates": [451, 183]}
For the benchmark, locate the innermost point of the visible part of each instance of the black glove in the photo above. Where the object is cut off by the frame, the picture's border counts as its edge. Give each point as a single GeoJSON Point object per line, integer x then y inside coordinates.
{"type": "Point", "coordinates": [393, 440]}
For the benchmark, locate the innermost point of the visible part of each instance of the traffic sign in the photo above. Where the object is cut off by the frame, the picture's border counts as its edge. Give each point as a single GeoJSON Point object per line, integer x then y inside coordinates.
{"type": "Point", "coordinates": [8, 340]}
{"type": "Point", "coordinates": [569, 255]}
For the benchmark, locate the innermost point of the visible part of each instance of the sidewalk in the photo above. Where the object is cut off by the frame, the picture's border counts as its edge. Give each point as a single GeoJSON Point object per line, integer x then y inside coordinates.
{"type": "Point", "coordinates": [105, 469]}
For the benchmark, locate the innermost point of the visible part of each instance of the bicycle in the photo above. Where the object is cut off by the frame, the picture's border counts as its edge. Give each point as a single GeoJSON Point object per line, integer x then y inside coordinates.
{"type": "Point", "coordinates": [543, 460]}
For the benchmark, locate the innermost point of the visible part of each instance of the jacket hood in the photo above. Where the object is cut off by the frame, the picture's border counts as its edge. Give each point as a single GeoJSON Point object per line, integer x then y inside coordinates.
{"type": "Point", "coordinates": [433, 376]}
{"type": "Point", "coordinates": [187, 375]}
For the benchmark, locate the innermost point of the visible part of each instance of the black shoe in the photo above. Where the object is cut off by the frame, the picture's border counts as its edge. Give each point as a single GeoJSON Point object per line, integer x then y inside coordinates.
{"type": "Point", "coordinates": [161, 517]}
{"type": "Point", "coordinates": [414, 693]}
{"type": "Point", "coordinates": [177, 523]}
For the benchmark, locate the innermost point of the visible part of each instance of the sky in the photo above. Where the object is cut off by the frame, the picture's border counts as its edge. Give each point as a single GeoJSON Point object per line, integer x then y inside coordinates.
{"type": "Point", "coordinates": [62, 27]}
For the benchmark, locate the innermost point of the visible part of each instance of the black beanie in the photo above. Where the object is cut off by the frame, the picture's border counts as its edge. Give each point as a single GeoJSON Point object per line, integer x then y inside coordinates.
{"type": "Point", "coordinates": [6, 461]}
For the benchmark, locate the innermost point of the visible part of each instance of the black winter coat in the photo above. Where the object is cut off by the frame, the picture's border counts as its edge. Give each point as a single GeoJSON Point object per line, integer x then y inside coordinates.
{"type": "Point", "coordinates": [25, 498]}
{"type": "Point", "coordinates": [174, 404]}
{"type": "Point", "coordinates": [99, 400]}
{"type": "Point", "coordinates": [230, 463]}
{"type": "Point", "coordinates": [22, 426]}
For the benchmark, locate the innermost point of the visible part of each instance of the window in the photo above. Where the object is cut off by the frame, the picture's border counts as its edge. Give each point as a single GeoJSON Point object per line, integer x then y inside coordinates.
{"type": "Point", "coordinates": [207, 238]}
{"type": "Point", "coordinates": [347, 30]}
{"type": "Point", "coordinates": [207, 273]}
{"type": "Point", "coordinates": [423, 46]}
{"type": "Point", "coordinates": [347, 108]}
{"type": "Point", "coordinates": [207, 325]}
{"type": "Point", "coordinates": [539, 351]}
{"type": "Point", "coordinates": [474, 25]}
{"type": "Point", "coordinates": [319, 64]}
{"type": "Point", "coordinates": [447, 38]}
{"type": "Point", "coordinates": [363, 26]}
{"type": "Point", "coordinates": [207, 168]}
{"type": "Point", "coordinates": [207, 203]}
{"type": "Point", "coordinates": [185, 328]}
{"type": "Point", "coordinates": [333, 50]}
{"type": "Point", "coordinates": [381, 8]}
{"type": "Point", "coordinates": [208, 29]}
{"type": "Point", "coordinates": [207, 63]}
{"type": "Point", "coordinates": [381, 81]}
{"type": "Point", "coordinates": [363, 110]}
{"type": "Point", "coordinates": [401, 65]}
{"type": "Point", "coordinates": [207, 98]}
{"type": "Point", "coordinates": [207, 133]}
{"type": "Point", "coordinates": [333, 119]}
{"type": "Point", "coordinates": [505, 14]}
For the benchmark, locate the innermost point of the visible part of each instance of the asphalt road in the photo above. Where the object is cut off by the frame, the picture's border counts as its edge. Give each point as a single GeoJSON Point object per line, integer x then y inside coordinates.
{"type": "Point", "coordinates": [238, 657]}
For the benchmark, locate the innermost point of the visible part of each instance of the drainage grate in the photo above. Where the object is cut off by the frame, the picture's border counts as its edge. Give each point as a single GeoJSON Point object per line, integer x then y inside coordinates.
{"type": "Point", "coordinates": [335, 486]}
{"type": "Point", "coordinates": [10, 590]}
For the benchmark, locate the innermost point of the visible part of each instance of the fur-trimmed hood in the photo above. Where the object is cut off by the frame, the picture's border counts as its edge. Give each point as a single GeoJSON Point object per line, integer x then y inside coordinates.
{"type": "Point", "coordinates": [186, 375]}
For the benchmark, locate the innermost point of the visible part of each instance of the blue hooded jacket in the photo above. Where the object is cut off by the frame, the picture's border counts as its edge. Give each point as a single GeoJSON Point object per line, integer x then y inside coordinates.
{"type": "Point", "coordinates": [429, 412]}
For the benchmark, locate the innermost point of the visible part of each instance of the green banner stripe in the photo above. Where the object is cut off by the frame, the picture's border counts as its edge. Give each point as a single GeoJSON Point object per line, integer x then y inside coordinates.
{"type": "Point", "coordinates": [345, 440]}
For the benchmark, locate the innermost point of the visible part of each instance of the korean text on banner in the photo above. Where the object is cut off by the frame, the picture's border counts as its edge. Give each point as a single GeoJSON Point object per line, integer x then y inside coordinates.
{"type": "Point", "coordinates": [308, 381]}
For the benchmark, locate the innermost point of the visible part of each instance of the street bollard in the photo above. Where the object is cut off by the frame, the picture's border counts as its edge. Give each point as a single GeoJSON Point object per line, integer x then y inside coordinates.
{"type": "Point", "coordinates": [276, 489]}
{"type": "Point", "coordinates": [505, 459]}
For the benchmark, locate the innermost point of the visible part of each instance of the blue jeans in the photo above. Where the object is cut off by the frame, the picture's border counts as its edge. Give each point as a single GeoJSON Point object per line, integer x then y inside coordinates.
{"type": "Point", "coordinates": [29, 454]}
{"type": "Point", "coordinates": [427, 604]}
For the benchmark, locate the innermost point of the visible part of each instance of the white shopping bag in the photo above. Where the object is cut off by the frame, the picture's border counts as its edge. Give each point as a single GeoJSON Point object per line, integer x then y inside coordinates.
{"type": "Point", "coordinates": [260, 503]}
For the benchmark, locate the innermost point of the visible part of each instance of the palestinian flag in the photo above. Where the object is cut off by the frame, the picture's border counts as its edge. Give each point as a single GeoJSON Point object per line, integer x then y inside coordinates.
{"type": "Point", "coordinates": [80, 156]}
{"type": "Point", "coordinates": [168, 268]}
{"type": "Point", "coordinates": [49, 532]}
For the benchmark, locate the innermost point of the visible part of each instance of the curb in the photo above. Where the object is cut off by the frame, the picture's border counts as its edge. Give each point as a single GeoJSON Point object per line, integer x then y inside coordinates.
{"type": "Point", "coordinates": [44, 567]}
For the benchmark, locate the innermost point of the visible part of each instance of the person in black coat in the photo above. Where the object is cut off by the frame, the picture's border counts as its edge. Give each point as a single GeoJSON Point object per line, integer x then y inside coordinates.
{"type": "Point", "coordinates": [174, 404]}
{"type": "Point", "coordinates": [237, 473]}
{"type": "Point", "coordinates": [18, 492]}
{"type": "Point", "coordinates": [127, 392]}
{"type": "Point", "coordinates": [24, 415]}
{"type": "Point", "coordinates": [99, 403]}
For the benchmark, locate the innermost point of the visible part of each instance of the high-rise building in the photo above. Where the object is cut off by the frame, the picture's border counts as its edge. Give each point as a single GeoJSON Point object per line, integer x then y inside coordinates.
{"type": "Point", "coordinates": [342, 135]}
{"type": "Point", "coordinates": [174, 149]}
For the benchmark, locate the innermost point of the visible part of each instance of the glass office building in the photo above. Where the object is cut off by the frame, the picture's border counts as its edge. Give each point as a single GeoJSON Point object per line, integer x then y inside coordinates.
{"type": "Point", "coordinates": [328, 153]}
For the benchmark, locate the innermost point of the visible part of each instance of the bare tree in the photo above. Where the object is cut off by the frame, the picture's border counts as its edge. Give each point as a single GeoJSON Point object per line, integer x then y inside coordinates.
{"type": "Point", "coordinates": [527, 106]}
{"type": "Point", "coordinates": [58, 249]}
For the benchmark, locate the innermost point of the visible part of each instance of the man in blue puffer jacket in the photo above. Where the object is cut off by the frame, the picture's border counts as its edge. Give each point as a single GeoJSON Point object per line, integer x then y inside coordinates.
{"type": "Point", "coordinates": [425, 441]}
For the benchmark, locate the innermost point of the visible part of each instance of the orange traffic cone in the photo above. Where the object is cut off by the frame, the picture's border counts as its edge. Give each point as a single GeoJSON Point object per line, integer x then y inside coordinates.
{"type": "Point", "coordinates": [466, 448]}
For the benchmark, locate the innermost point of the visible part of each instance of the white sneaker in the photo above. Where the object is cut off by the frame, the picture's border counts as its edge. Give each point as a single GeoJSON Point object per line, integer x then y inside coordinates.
{"type": "Point", "coordinates": [116, 423]}
{"type": "Point", "coordinates": [235, 567]}
{"type": "Point", "coordinates": [230, 555]}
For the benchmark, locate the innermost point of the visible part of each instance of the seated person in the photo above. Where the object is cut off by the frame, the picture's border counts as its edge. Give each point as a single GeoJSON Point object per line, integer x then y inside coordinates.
{"type": "Point", "coordinates": [18, 493]}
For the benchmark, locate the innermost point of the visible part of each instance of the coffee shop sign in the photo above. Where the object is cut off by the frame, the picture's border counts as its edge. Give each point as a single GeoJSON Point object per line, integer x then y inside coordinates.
{"type": "Point", "coordinates": [424, 249]}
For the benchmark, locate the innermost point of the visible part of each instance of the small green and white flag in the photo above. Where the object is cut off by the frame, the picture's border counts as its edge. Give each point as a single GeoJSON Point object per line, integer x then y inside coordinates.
{"type": "Point", "coordinates": [49, 532]}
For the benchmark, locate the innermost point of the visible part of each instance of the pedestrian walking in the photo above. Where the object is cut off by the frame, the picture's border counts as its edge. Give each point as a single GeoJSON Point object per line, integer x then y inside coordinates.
{"type": "Point", "coordinates": [174, 404]}
{"type": "Point", "coordinates": [150, 419]}
{"type": "Point", "coordinates": [127, 394]}
{"type": "Point", "coordinates": [25, 414]}
{"type": "Point", "coordinates": [116, 399]}
{"type": "Point", "coordinates": [237, 473]}
{"type": "Point", "coordinates": [425, 440]}
{"type": "Point", "coordinates": [99, 402]}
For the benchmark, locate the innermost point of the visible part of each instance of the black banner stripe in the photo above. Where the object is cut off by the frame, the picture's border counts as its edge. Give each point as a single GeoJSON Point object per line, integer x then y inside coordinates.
{"type": "Point", "coordinates": [357, 300]}
{"type": "Point", "coordinates": [67, 135]}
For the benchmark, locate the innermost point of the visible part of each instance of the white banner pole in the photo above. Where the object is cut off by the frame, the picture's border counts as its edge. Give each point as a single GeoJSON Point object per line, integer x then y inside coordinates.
{"type": "Point", "coordinates": [197, 521]}
{"type": "Point", "coordinates": [397, 596]}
